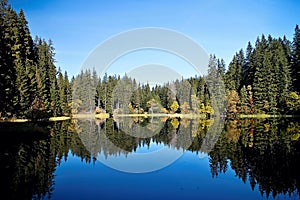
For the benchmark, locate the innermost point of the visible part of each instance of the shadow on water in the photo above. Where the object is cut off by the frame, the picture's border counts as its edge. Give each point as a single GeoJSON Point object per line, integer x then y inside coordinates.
{"type": "Point", "coordinates": [262, 153]}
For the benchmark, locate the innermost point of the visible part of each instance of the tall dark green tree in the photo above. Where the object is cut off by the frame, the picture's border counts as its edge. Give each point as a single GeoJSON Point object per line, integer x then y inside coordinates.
{"type": "Point", "coordinates": [24, 64]}
{"type": "Point", "coordinates": [68, 95]}
{"type": "Point", "coordinates": [47, 90]}
{"type": "Point", "coordinates": [7, 70]}
{"type": "Point", "coordinates": [282, 71]}
{"type": "Point", "coordinates": [215, 86]}
{"type": "Point", "coordinates": [233, 76]}
{"type": "Point", "coordinates": [28, 60]}
{"type": "Point", "coordinates": [262, 65]}
{"type": "Point", "coordinates": [296, 59]}
{"type": "Point", "coordinates": [248, 68]}
{"type": "Point", "coordinates": [62, 93]}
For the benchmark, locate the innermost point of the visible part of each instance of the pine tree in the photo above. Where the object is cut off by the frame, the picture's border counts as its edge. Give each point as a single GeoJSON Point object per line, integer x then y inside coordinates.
{"type": "Point", "coordinates": [11, 46]}
{"type": "Point", "coordinates": [43, 79]}
{"type": "Point", "coordinates": [248, 68]}
{"type": "Point", "coordinates": [233, 76]}
{"type": "Point", "coordinates": [46, 76]}
{"type": "Point", "coordinates": [28, 60]}
{"type": "Point", "coordinates": [55, 98]}
{"type": "Point", "coordinates": [281, 70]}
{"type": "Point", "coordinates": [296, 59]}
{"type": "Point", "coordinates": [243, 106]}
{"type": "Point", "coordinates": [68, 94]}
{"type": "Point", "coordinates": [102, 88]}
{"type": "Point", "coordinates": [7, 70]}
{"type": "Point", "coordinates": [62, 93]}
{"type": "Point", "coordinates": [260, 76]}
{"type": "Point", "coordinates": [240, 66]}
{"type": "Point", "coordinates": [216, 86]}
{"type": "Point", "coordinates": [221, 68]}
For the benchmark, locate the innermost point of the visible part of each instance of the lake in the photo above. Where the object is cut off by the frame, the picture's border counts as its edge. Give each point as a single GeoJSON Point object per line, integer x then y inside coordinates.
{"type": "Point", "coordinates": [151, 158]}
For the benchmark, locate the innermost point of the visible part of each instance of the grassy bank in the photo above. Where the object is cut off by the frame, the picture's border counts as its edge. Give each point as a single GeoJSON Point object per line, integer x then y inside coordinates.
{"type": "Point", "coordinates": [59, 118]}
{"type": "Point", "coordinates": [14, 120]}
{"type": "Point", "coordinates": [62, 118]}
{"type": "Point", "coordinates": [175, 115]}
{"type": "Point", "coordinates": [89, 116]}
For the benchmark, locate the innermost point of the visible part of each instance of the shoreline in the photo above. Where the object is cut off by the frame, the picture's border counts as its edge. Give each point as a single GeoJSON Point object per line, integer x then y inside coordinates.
{"type": "Point", "coordinates": [145, 115]}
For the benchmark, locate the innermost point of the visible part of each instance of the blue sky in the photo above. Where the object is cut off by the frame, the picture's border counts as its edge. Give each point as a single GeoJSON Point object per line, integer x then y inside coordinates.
{"type": "Point", "coordinates": [221, 27]}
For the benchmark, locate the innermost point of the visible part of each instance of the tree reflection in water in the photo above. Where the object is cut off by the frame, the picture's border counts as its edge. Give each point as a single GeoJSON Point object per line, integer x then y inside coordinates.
{"type": "Point", "coordinates": [263, 153]}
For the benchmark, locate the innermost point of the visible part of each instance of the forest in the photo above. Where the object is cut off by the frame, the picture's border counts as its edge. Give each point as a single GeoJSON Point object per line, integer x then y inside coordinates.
{"type": "Point", "coordinates": [261, 79]}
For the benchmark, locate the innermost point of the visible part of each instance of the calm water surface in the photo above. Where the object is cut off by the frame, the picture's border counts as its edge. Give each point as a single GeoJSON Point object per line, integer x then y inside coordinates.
{"type": "Point", "coordinates": [151, 159]}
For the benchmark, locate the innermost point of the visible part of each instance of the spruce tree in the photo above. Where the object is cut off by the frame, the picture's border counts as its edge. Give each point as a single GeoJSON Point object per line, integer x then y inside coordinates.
{"type": "Point", "coordinates": [248, 68]}
{"type": "Point", "coordinates": [62, 93]}
{"type": "Point", "coordinates": [28, 60]}
{"type": "Point", "coordinates": [68, 94]}
{"type": "Point", "coordinates": [243, 105]}
{"type": "Point", "coordinates": [260, 76]}
{"type": "Point", "coordinates": [46, 75]}
{"type": "Point", "coordinates": [282, 71]}
{"type": "Point", "coordinates": [221, 68]}
{"type": "Point", "coordinates": [296, 59]}
{"type": "Point", "coordinates": [7, 70]}
{"type": "Point", "coordinates": [233, 76]}
{"type": "Point", "coordinates": [216, 86]}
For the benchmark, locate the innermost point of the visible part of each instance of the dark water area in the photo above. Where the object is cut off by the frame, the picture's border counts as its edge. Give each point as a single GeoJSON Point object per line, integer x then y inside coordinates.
{"type": "Point", "coordinates": [151, 159]}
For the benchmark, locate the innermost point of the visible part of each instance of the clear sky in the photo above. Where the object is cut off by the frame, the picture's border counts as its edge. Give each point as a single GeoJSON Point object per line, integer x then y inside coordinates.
{"type": "Point", "coordinates": [221, 27]}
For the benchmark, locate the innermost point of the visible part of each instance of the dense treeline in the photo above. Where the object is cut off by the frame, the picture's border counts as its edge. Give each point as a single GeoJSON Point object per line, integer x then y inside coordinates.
{"type": "Point", "coordinates": [264, 79]}
{"type": "Point", "coordinates": [30, 84]}
{"type": "Point", "coordinates": [114, 94]}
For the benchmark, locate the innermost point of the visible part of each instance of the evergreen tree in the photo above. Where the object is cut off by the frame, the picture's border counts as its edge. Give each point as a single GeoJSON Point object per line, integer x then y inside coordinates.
{"type": "Point", "coordinates": [216, 86]}
{"type": "Point", "coordinates": [24, 59]}
{"type": "Point", "coordinates": [109, 94]}
{"type": "Point", "coordinates": [43, 76]}
{"type": "Point", "coordinates": [103, 94]}
{"type": "Point", "coordinates": [28, 58]}
{"type": "Point", "coordinates": [68, 95]}
{"type": "Point", "coordinates": [260, 81]}
{"type": "Point", "coordinates": [243, 106]}
{"type": "Point", "coordinates": [221, 68]}
{"type": "Point", "coordinates": [248, 68]}
{"type": "Point", "coordinates": [46, 76]}
{"type": "Point", "coordinates": [7, 70]}
{"type": "Point", "coordinates": [296, 59]}
{"type": "Point", "coordinates": [11, 46]}
{"type": "Point", "coordinates": [62, 93]}
{"type": "Point", "coordinates": [282, 71]}
{"type": "Point", "coordinates": [234, 76]}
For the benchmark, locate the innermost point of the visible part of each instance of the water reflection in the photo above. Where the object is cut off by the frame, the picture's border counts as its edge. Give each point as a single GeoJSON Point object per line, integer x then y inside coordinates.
{"type": "Point", "coordinates": [262, 153]}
